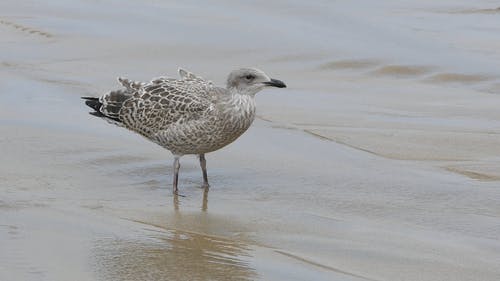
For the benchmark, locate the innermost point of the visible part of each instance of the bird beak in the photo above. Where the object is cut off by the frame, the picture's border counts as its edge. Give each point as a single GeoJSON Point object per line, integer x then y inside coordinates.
{"type": "Point", "coordinates": [275, 83]}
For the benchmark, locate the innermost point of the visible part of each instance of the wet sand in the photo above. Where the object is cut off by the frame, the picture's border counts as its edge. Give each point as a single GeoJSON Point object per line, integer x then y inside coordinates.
{"type": "Point", "coordinates": [368, 167]}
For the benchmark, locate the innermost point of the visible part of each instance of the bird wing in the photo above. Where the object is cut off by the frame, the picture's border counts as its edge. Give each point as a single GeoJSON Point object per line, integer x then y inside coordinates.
{"type": "Point", "coordinates": [164, 101]}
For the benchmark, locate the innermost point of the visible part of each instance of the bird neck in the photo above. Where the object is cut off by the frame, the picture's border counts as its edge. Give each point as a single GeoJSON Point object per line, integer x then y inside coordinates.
{"type": "Point", "coordinates": [239, 107]}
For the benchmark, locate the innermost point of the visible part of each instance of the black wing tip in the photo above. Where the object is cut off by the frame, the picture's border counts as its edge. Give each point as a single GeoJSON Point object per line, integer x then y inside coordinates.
{"type": "Point", "coordinates": [89, 98]}
{"type": "Point", "coordinates": [97, 113]}
{"type": "Point", "coordinates": [94, 104]}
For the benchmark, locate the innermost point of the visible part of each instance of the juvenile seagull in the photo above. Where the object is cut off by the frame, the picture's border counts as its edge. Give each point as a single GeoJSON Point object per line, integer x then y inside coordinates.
{"type": "Point", "coordinates": [189, 115]}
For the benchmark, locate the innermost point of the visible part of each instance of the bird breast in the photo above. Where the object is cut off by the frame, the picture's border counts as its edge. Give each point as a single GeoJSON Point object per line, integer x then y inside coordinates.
{"type": "Point", "coordinates": [223, 124]}
{"type": "Point", "coordinates": [237, 113]}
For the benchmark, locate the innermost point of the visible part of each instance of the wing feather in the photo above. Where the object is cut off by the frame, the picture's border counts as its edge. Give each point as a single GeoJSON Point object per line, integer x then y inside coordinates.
{"type": "Point", "coordinates": [165, 101]}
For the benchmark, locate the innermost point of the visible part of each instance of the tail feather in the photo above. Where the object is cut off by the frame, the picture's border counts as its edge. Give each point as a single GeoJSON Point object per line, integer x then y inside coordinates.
{"type": "Point", "coordinates": [112, 102]}
{"type": "Point", "coordinates": [109, 105]}
{"type": "Point", "coordinates": [93, 103]}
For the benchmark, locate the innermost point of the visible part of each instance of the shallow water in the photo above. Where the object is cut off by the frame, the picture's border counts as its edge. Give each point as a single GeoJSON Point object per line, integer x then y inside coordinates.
{"type": "Point", "coordinates": [379, 162]}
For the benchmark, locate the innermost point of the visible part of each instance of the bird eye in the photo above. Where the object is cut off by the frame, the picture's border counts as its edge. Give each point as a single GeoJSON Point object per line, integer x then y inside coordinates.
{"type": "Point", "coordinates": [249, 77]}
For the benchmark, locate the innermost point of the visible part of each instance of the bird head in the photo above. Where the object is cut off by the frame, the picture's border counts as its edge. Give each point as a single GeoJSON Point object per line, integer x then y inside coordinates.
{"type": "Point", "coordinates": [249, 81]}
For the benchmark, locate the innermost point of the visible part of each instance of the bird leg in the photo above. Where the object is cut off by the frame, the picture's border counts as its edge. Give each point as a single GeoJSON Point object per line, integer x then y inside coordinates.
{"type": "Point", "coordinates": [203, 164]}
{"type": "Point", "coordinates": [177, 166]}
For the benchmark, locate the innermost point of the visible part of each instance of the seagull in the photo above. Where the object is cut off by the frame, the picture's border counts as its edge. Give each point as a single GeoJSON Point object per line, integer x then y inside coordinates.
{"type": "Point", "coordinates": [186, 116]}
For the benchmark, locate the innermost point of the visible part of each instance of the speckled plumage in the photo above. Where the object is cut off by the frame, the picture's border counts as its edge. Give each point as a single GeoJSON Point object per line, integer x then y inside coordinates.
{"type": "Point", "coordinates": [189, 115]}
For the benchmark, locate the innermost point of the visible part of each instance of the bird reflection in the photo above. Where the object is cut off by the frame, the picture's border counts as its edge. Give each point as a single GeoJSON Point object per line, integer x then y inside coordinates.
{"type": "Point", "coordinates": [204, 204]}
{"type": "Point", "coordinates": [176, 202]}
{"type": "Point", "coordinates": [174, 253]}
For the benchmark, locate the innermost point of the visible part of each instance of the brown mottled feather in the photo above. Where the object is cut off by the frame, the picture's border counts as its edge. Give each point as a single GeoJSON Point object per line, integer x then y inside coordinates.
{"type": "Point", "coordinates": [156, 105]}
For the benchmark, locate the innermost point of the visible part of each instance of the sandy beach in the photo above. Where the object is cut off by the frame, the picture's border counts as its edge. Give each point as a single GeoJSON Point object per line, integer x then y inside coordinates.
{"type": "Point", "coordinates": [380, 161]}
